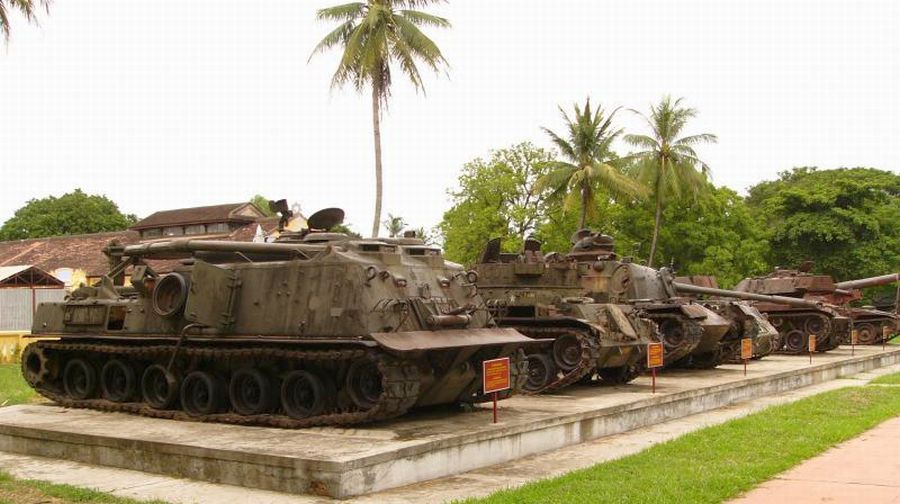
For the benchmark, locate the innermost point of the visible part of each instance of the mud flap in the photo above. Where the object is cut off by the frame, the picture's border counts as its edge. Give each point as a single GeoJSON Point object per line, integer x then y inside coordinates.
{"type": "Point", "coordinates": [411, 341]}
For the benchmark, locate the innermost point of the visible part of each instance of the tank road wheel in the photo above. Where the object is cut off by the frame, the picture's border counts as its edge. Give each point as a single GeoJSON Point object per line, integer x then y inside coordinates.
{"type": "Point", "coordinates": [541, 372]}
{"type": "Point", "coordinates": [159, 387]}
{"type": "Point", "coordinates": [620, 375]}
{"type": "Point", "coordinates": [776, 321]}
{"type": "Point", "coordinates": [868, 335]}
{"type": "Point", "coordinates": [303, 395]}
{"type": "Point", "coordinates": [364, 384]}
{"type": "Point", "coordinates": [118, 381]}
{"type": "Point", "coordinates": [201, 394]}
{"type": "Point", "coordinates": [35, 365]}
{"type": "Point", "coordinates": [673, 335]}
{"type": "Point", "coordinates": [815, 325]}
{"type": "Point", "coordinates": [79, 379]}
{"type": "Point", "coordinates": [251, 392]}
{"type": "Point", "coordinates": [567, 352]}
{"type": "Point", "coordinates": [795, 341]}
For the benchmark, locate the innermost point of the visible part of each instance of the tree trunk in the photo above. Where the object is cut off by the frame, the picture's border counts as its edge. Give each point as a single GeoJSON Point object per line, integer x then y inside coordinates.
{"type": "Point", "coordinates": [376, 128]}
{"type": "Point", "coordinates": [658, 213]}
{"type": "Point", "coordinates": [583, 217]}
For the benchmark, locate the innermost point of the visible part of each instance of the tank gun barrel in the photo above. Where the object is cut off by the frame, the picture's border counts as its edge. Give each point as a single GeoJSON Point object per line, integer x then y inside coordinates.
{"type": "Point", "coordinates": [175, 248]}
{"type": "Point", "coordinates": [709, 291]}
{"type": "Point", "coordinates": [868, 282]}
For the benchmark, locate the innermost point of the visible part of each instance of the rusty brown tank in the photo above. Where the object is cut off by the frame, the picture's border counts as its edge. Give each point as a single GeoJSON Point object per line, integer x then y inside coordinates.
{"type": "Point", "coordinates": [873, 325]}
{"type": "Point", "coordinates": [744, 319]}
{"type": "Point", "coordinates": [541, 295]}
{"type": "Point", "coordinates": [827, 322]}
{"type": "Point", "coordinates": [314, 329]}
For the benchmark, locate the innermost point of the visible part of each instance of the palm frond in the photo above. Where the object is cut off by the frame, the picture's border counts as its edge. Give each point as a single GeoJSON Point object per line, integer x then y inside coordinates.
{"type": "Point", "coordinates": [420, 18]}
{"type": "Point", "coordinates": [343, 12]}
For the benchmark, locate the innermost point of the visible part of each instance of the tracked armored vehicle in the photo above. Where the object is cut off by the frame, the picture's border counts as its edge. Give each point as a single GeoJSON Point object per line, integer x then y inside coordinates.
{"type": "Point", "coordinates": [541, 296]}
{"type": "Point", "coordinates": [745, 322]}
{"type": "Point", "coordinates": [691, 333]}
{"type": "Point", "coordinates": [794, 322]}
{"type": "Point", "coordinates": [313, 329]}
{"type": "Point", "coordinates": [871, 323]}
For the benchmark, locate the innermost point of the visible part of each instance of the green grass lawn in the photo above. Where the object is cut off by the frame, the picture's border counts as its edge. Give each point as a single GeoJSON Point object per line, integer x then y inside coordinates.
{"type": "Point", "coordinates": [723, 461]}
{"type": "Point", "coordinates": [13, 389]}
{"type": "Point", "coordinates": [15, 491]}
{"type": "Point", "coordinates": [891, 379]}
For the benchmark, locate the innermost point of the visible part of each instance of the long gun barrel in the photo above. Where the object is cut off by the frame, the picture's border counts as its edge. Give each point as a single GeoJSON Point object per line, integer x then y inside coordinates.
{"type": "Point", "coordinates": [709, 291]}
{"type": "Point", "coordinates": [174, 248]}
{"type": "Point", "coordinates": [868, 282]}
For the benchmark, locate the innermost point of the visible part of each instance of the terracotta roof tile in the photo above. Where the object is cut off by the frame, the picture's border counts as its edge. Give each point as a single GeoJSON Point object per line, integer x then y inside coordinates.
{"type": "Point", "coordinates": [196, 215]}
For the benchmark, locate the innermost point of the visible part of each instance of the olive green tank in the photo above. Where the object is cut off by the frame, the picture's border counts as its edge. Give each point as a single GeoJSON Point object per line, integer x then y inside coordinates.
{"type": "Point", "coordinates": [541, 296]}
{"type": "Point", "coordinates": [314, 329]}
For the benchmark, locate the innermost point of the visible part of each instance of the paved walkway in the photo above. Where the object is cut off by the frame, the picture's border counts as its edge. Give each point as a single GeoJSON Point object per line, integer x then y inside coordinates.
{"type": "Point", "coordinates": [864, 469]}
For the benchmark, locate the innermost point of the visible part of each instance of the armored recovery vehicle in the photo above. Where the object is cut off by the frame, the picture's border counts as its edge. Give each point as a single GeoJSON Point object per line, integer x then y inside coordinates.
{"type": "Point", "coordinates": [314, 329]}
{"type": "Point", "coordinates": [871, 323]}
{"type": "Point", "coordinates": [541, 296]}
{"type": "Point", "coordinates": [795, 323]}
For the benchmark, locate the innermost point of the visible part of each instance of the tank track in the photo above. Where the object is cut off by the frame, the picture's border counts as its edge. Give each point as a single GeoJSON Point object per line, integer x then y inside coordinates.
{"type": "Point", "coordinates": [796, 321]}
{"type": "Point", "coordinates": [873, 334]}
{"type": "Point", "coordinates": [400, 383]}
{"type": "Point", "coordinates": [693, 334]}
{"type": "Point", "coordinates": [590, 353]}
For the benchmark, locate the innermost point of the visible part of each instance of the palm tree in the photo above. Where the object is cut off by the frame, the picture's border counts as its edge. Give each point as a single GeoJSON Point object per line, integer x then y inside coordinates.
{"type": "Point", "coordinates": [26, 7]}
{"type": "Point", "coordinates": [374, 34]}
{"type": "Point", "coordinates": [590, 162]}
{"type": "Point", "coordinates": [394, 225]}
{"type": "Point", "coordinates": [668, 164]}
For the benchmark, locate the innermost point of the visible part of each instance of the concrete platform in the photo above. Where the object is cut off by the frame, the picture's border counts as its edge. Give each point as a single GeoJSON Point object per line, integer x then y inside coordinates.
{"type": "Point", "coordinates": [427, 445]}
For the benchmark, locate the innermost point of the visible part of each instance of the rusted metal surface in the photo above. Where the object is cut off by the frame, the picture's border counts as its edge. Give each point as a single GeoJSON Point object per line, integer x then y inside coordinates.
{"type": "Point", "coordinates": [412, 341]}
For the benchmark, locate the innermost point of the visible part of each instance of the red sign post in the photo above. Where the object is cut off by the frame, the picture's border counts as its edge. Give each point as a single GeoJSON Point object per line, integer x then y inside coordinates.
{"type": "Point", "coordinates": [655, 353]}
{"type": "Point", "coordinates": [746, 352]}
{"type": "Point", "coordinates": [495, 378]}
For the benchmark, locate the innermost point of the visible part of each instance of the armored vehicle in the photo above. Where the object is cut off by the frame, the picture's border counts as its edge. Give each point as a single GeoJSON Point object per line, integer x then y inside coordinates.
{"type": "Point", "coordinates": [313, 329]}
{"type": "Point", "coordinates": [691, 333]}
{"type": "Point", "coordinates": [541, 296]}
{"type": "Point", "coordinates": [871, 323]}
{"type": "Point", "coordinates": [745, 322]}
{"type": "Point", "coordinates": [795, 323]}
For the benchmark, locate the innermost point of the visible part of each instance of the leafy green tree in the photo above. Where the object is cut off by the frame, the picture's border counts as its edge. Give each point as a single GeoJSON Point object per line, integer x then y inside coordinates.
{"type": "Point", "coordinates": [394, 225]}
{"type": "Point", "coordinates": [590, 162]}
{"type": "Point", "coordinates": [374, 35]}
{"type": "Point", "coordinates": [496, 198]}
{"type": "Point", "coordinates": [846, 220]}
{"type": "Point", "coordinates": [668, 164]}
{"type": "Point", "coordinates": [262, 203]}
{"type": "Point", "coordinates": [71, 213]}
{"type": "Point", "coordinates": [716, 235]}
{"type": "Point", "coordinates": [27, 8]}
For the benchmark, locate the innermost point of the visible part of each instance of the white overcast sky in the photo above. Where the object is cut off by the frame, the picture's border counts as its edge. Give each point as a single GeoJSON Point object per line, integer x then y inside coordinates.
{"type": "Point", "coordinates": [169, 104]}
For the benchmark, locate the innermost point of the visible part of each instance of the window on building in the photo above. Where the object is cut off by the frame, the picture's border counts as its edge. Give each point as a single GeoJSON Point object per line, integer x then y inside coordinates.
{"type": "Point", "coordinates": [195, 229]}
{"type": "Point", "coordinates": [151, 233]}
{"type": "Point", "coordinates": [173, 231]}
{"type": "Point", "coordinates": [218, 227]}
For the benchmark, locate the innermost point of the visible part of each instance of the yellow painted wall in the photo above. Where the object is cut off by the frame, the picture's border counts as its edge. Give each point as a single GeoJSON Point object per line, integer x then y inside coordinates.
{"type": "Point", "coordinates": [11, 345]}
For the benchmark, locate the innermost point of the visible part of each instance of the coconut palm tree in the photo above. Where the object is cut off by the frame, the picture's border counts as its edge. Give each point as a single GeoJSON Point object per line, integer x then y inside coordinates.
{"type": "Point", "coordinates": [26, 7]}
{"type": "Point", "coordinates": [374, 35]}
{"type": "Point", "coordinates": [394, 225]}
{"type": "Point", "coordinates": [668, 165]}
{"type": "Point", "coordinates": [589, 164]}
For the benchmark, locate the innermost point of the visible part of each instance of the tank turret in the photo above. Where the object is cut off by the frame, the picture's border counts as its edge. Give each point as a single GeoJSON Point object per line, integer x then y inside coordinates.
{"type": "Point", "coordinates": [313, 329]}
